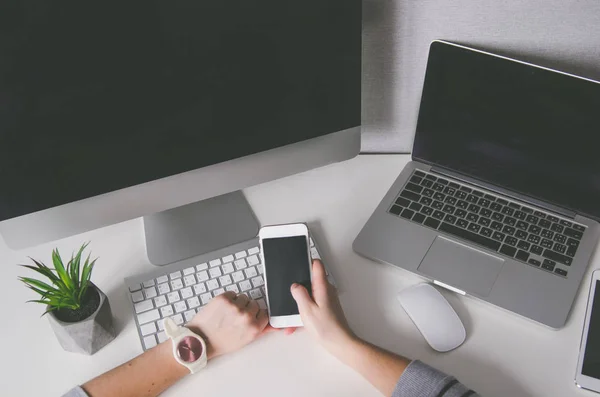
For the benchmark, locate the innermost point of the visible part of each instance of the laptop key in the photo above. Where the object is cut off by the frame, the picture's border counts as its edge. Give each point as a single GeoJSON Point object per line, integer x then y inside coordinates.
{"type": "Point", "coordinates": [450, 219]}
{"type": "Point", "coordinates": [534, 262]}
{"type": "Point", "coordinates": [496, 226]}
{"type": "Point", "coordinates": [466, 189]}
{"type": "Point", "coordinates": [522, 225]}
{"type": "Point", "coordinates": [522, 255]}
{"type": "Point", "coordinates": [572, 243]}
{"type": "Point", "coordinates": [484, 202]}
{"type": "Point", "coordinates": [485, 212]}
{"type": "Point", "coordinates": [510, 221]}
{"type": "Point", "coordinates": [544, 223]}
{"type": "Point", "coordinates": [486, 232]}
{"type": "Point", "coordinates": [449, 190]}
{"type": "Point", "coordinates": [438, 186]}
{"type": "Point", "coordinates": [534, 239]}
{"type": "Point", "coordinates": [407, 213]}
{"type": "Point", "coordinates": [560, 248]}
{"type": "Point", "coordinates": [428, 192]}
{"type": "Point", "coordinates": [438, 205]}
{"type": "Point", "coordinates": [497, 216]}
{"type": "Point", "coordinates": [442, 181]}
{"type": "Point", "coordinates": [454, 185]}
{"type": "Point", "coordinates": [415, 206]}
{"type": "Point", "coordinates": [470, 236]}
{"type": "Point", "coordinates": [534, 229]}
{"type": "Point", "coordinates": [514, 205]}
{"type": "Point", "coordinates": [557, 228]}
{"type": "Point", "coordinates": [426, 201]}
{"type": "Point", "coordinates": [419, 173]}
{"type": "Point", "coordinates": [548, 265]}
{"type": "Point", "coordinates": [579, 227]}
{"type": "Point", "coordinates": [527, 210]}
{"type": "Point", "coordinates": [511, 241]}
{"type": "Point", "coordinates": [478, 193]}
{"type": "Point", "coordinates": [571, 251]}
{"type": "Point", "coordinates": [419, 218]}
{"type": "Point", "coordinates": [560, 238]}
{"type": "Point", "coordinates": [449, 209]}
{"type": "Point", "coordinates": [430, 177]}
{"type": "Point", "coordinates": [560, 272]}
{"type": "Point", "coordinates": [451, 200]}
{"type": "Point", "coordinates": [484, 221]}
{"type": "Point", "coordinates": [474, 227]}
{"type": "Point", "coordinates": [508, 250]}
{"type": "Point", "coordinates": [438, 215]}
{"type": "Point", "coordinates": [555, 256]}
{"type": "Point", "coordinates": [402, 202]}
{"type": "Point", "coordinates": [573, 233]}
{"type": "Point", "coordinates": [508, 211]}
{"type": "Point", "coordinates": [462, 223]}
{"type": "Point", "coordinates": [521, 234]}
{"type": "Point", "coordinates": [520, 215]}
{"type": "Point", "coordinates": [439, 196]}
{"type": "Point", "coordinates": [547, 243]}
{"type": "Point", "coordinates": [495, 206]}
{"type": "Point", "coordinates": [462, 204]}
{"type": "Point", "coordinates": [490, 197]}
{"type": "Point", "coordinates": [547, 233]}
{"type": "Point", "coordinates": [532, 219]}
{"type": "Point", "coordinates": [498, 236]}
{"type": "Point", "coordinates": [433, 223]}
{"type": "Point", "coordinates": [471, 198]}
{"type": "Point", "coordinates": [472, 217]}
{"type": "Point", "coordinates": [461, 195]}
{"type": "Point", "coordinates": [414, 188]}
{"type": "Point", "coordinates": [502, 201]}
{"type": "Point", "coordinates": [427, 210]}
{"type": "Point", "coordinates": [536, 249]}
{"type": "Point", "coordinates": [474, 208]}
{"type": "Point", "coordinates": [524, 245]}
{"type": "Point", "coordinates": [565, 223]}
{"type": "Point", "coordinates": [396, 210]}
{"type": "Point", "coordinates": [426, 183]}
{"type": "Point", "coordinates": [508, 230]}
{"type": "Point", "coordinates": [552, 218]}
{"type": "Point", "coordinates": [410, 195]}
{"type": "Point", "coordinates": [460, 213]}
{"type": "Point", "coordinates": [416, 179]}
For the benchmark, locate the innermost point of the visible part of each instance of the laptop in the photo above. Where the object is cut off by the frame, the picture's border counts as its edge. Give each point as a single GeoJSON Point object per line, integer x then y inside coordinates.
{"type": "Point", "coordinates": [501, 200]}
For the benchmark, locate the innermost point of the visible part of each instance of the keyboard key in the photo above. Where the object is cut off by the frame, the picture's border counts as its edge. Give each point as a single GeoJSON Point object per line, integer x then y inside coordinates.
{"type": "Point", "coordinates": [227, 268]}
{"type": "Point", "coordinates": [438, 205]}
{"type": "Point", "coordinates": [544, 223]}
{"type": "Point", "coordinates": [426, 193]}
{"type": "Point", "coordinates": [536, 249]}
{"type": "Point", "coordinates": [474, 208]}
{"type": "Point", "coordinates": [166, 311]}
{"type": "Point", "coordinates": [532, 219]}
{"type": "Point", "coordinates": [149, 283]}
{"type": "Point", "coordinates": [212, 284]}
{"type": "Point", "coordinates": [511, 241]}
{"type": "Point", "coordinates": [188, 271]}
{"type": "Point", "coordinates": [508, 211]}
{"type": "Point", "coordinates": [572, 243]}
{"type": "Point", "coordinates": [202, 266]}
{"type": "Point", "coordinates": [560, 238]}
{"type": "Point", "coordinates": [522, 225]}
{"type": "Point", "coordinates": [180, 307]}
{"type": "Point", "coordinates": [501, 201]}
{"type": "Point", "coordinates": [135, 287]}
{"type": "Point", "coordinates": [175, 275]}
{"type": "Point", "coordinates": [255, 294]}
{"type": "Point", "coordinates": [205, 298]}
{"type": "Point", "coordinates": [143, 306]}
{"type": "Point", "coordinates": [560, 248]}
{"type": "Point", "coordinates": [484, 221]}
{"type": "Point", "coordinates": [495, 207]}
{"type": "Point", "coordinates": [471, 198]}
{"type": "Point", "coordinates": [433, 223]}
{"type": "Point", "coordinates": [193, 302]}
{"type": "Point", "coordinates": [560, 272]}
{"type": "Point", "coordinates": [497, 216]}
{"type": "Point", "coordinates": [462, 204]}
{"type": "Point", "coordinates": [238, 276]}
{"type": "Point", "coordinates": [547, 243]}
{"type": "Point", "coordinates": [147, 329]}
{"type": "Point", "coordinates": [486, 232]}
{"type": "Point", "coordinates": [443, 181]}
{"type": "Point", "coordinates": [416, 179]}
{"type": "Point", "coordinates": [449, 190]}
{"type": "Point", "coordinates": [189, 315]}
{"type": "Point", "coordinates": [522, 255]}
{"type": "Point", "coordinates": [472, 217]}
{"type": "Point", "coordinates": [242, 254]}
{"type": "Point", "coordinates": [257, 281]}
{"type": "Point", "coordinates": [230, 258]}
{"type": "Point", "coordinates": [510, 221]}
{"type": "Point", "coordinates": [426, 183]}
{"type": "Point", "coordinates": [215, 262]}
{"type": "Point", "coordinates": [496, 226]}
{"type": "Point", "coordinates": [225, 280]}
{"type": "Point", "coordinates": [534, 262]}
{"type": "Point", "coordinates": [508, 250]}
{"type": "Point", "coordinates": [547, 233]}
{"type": "Point", "coordinates": [450, 219]}
{"type": "Point", "coordinates": [484, 202]}
{"type": "Point", "coordinates": [149, 341]}
{"type": "Point", "coordinates": [137, 296]}
{"type": "Point", "coordinates": [539, 214]}
{"type": "Point", "coordinates": [548, 264]}
{"type": "Point", "coordinates": [215, 272]}
{"type": "Point", "coordinates": [534, 239]}
{"type": "Point", "coordinates": [419, 218]}
{"type": "Point", "coordinates": [565, 223]}
{"type": "Point", "coordinates": [449, 209]}
{"type": "Point", "coordinates": [555, 256]}
{"type": "Point", "coordinates": [579, 228]}
{"type": "Point", "coordinates": [261, 269]}
{"type": "Point", "coordinates": [438, 187]}
{"type": "Point", "coordinates": [161, 325]}
{"type": "Point", "coordinates": [148, 316]}
{"type": "Point", "coordinates": [573, 233]}
{"type": "Point", "coordinates": [430, 177]}
{"type": "Point", "coordinates": [474, 227]}
{"type": "Point", "coordinates": [438, 215]}
{"type": "Point", "coordinates": [218, 292]}
{"type": "Point", "coordinates": [173, 296]}
{"type": "Point", "coordinates": [460, 195]}
{"type": "Point", "coordinates": [520, 215]}
{"type": "Point", "coordinates": [199, 288]}
{"type": "Point", "coordinates": [467, 235]}
{"type": "Point", "coordinates": [462, 223]}
{"type": "Point", "coordinates": [514, 205]}
{"type": "Point", "coordinates": [414, 188]}
{"type": "Point", "coordinates": [189, 280]}
{"type": "Point", "coordinates": [498, 236]}
{"type": "Point", "coordinates": [486, 212]}
{"type": "Point", "coordinates": [250, 272]}
{"type": "Point", "coordinates": [162, 279]}
{"type": "Point", "coordinates": [150, 292]}
{"type": "Point", "coordinates": [240, 264]}
{"type": "Point", "coordinates": [439, 196]}
{"type": "Point", "coordinates": [407, 213]}
{"type": "Point", "coordinates": [176, 284]}
{"type": "Point", "coordinates": [524, 245]}
{"type": "Point", "coordinates": [163, 288]}
{"type": "Point", "coordinates": [160, 301]}
{"type": "Point", "coordinates": [534, 229]}
{"type": "Point", "coordinates": [186, 293]}
{"type": "Point", "coordinates": [466, 189]}
{"type": "Point", "coordinates": [557, 228]}
{"type": "Point", "coordinates": [427, 210]}
{"type": "Point", "coordinates": [426, 201]}
{"type": "Point", "coordinates": [245, 285]}
{"type": "Point", "coordinates": [253, 260]}
{"type": "Point", "coordinates": [178, 318]}
{"type": "Point", "coordinates": [490, 197]}
{"type": "Point", "coordinates": [460, 213]}
{"type": "Point", "coordinates": [202, 276]}
{"type": "Point", "coordinates": [509, 230]}
{"type": "Point", "coordinates": [233, 287]}
{"type": "Point", "coordinates": [478, 193]}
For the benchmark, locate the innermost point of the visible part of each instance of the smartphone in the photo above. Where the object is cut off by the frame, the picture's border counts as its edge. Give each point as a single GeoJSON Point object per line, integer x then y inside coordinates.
{"type": "Point", "coordinates": [285, 253]}
{"type": "Point", "coordinates": [588, 364]}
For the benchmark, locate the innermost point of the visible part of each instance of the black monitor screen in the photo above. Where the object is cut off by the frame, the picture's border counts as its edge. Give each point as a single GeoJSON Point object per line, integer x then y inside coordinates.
{"type": "Point", "coordinates": [97, 96]}
{"type": "Point", "coordinates": [528, 129]}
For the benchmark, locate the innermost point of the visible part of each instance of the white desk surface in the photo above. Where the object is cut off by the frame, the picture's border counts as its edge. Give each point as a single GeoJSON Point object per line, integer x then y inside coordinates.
{"type": "Point", "coordinates": [504, 355]}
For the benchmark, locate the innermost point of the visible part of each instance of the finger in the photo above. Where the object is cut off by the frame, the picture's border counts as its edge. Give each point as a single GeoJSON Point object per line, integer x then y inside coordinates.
{"type": "Point", "coordinates": [230, 295]}
{"type": "Point", "coordinates": [289, 331]}
{"type": "Point", "coordinates": [262, 317]}
{"type": "Point", "coordinates": [301, 297]}
{"type": "Point", "coordinates": [319, 282]}
{"type": "Point", "coordinates": [241, 301]}
{"type": "Point", "coordinates": [253, 308]}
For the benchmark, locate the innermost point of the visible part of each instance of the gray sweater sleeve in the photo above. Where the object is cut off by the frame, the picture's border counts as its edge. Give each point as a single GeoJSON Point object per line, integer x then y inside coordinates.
{"type": "Point", "coordinates": [420, 380]}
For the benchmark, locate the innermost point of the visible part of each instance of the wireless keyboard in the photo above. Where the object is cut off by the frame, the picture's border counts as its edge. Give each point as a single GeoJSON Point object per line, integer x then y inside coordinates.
{"type": "Point", "coordinates": [179, 290]}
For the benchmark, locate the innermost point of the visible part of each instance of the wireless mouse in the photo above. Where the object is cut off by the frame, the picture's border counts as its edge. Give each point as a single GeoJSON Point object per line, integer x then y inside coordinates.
{"type": "Point", "coordinates": [434, 317]}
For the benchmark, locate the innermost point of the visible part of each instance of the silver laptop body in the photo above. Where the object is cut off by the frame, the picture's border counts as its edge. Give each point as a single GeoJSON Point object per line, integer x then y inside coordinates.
{"type": "Point", "coordinates": [484, 229]}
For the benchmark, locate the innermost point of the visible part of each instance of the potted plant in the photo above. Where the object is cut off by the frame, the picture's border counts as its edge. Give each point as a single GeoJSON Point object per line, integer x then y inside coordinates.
{"type": "Point", "coordinates": [78, 311]}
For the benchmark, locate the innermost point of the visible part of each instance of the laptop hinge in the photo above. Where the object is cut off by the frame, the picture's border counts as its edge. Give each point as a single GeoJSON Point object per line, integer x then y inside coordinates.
{"type": "Point", "coordinates": [517, 196]}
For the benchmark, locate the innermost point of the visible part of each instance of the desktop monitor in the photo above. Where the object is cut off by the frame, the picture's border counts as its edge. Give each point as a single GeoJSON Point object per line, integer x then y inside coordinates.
{"type": "Point", "coordinates": [114, 110]}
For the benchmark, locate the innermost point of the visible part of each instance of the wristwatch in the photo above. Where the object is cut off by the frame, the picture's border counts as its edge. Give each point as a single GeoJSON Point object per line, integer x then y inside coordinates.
{"type": "Point", "coordinates": [189, 349]}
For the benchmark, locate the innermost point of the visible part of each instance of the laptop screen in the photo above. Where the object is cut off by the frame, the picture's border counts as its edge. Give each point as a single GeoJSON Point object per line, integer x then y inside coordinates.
{"type": "Point", "coordinates": [518, 126]}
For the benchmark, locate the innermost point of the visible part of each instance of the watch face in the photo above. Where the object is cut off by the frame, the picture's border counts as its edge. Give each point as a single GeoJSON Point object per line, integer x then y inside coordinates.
{"type": "Point", "coordinates": [189, 349]}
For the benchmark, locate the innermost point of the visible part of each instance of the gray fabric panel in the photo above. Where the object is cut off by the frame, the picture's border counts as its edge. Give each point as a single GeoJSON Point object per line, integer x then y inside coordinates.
{"type": "Point", "coordinates": [564, 35]}
{"type": "Point", "coordinates": [421, 380]}
{"type": "Point", "coordinates": [76, 392]}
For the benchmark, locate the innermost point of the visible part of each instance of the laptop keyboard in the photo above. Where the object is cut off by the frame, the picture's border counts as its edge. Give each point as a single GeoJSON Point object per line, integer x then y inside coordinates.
{"type": "Point", "coordinates": [529, 235]}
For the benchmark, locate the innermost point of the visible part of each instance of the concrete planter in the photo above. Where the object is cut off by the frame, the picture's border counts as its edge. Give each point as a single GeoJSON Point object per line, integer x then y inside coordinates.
{"type": "Point", "coordinates": [89, 335]}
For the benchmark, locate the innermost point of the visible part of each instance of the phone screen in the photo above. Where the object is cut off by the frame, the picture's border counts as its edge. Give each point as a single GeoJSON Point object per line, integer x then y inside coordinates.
{"type": "Point", "coordinates": [286, 262]}
{"type": "Point", "coordinates": [591, 358]}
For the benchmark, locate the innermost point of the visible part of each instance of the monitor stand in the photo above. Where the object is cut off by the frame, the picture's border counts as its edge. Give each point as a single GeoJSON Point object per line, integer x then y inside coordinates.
{"type": "Point", "coordinates": [200, 227]}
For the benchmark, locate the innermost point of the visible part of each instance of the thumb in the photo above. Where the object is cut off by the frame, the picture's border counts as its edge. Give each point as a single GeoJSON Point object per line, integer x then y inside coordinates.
{"type": "Point", "coordinates": [301, 297]}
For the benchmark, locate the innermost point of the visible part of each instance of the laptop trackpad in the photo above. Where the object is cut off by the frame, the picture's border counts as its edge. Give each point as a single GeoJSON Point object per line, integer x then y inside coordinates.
{"type": "Point", "coordinates": [460, 266]}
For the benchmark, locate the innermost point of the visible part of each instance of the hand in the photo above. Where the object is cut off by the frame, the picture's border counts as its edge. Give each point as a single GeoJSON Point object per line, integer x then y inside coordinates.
{"type": "Point", "coordinates": [228, 323]}
{"type": "Point", "coordinates": [322, 315]}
